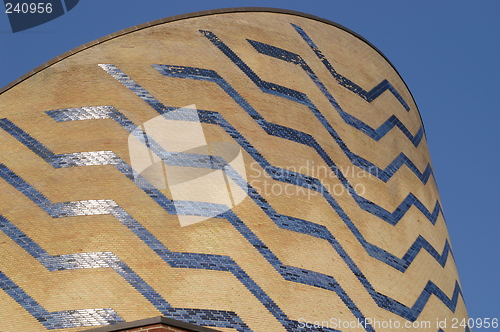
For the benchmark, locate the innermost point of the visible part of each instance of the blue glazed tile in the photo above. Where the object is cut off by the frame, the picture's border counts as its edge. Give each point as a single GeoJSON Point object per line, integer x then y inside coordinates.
{"type": "Point", "coordinates": [192, 260]}
{"type": "Point", "coordinates": [298, 137]}
{"type": "Point", "coordinates": [212, 76]}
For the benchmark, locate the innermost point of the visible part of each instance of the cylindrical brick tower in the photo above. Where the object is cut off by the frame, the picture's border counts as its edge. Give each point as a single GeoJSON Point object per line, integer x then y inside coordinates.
{"type": "Point", "coordinates": [244, 170]}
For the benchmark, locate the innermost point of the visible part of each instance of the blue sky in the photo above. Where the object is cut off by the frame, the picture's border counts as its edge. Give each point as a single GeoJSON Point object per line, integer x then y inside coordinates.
{"type": "Point", "coordinates": [447, 52]}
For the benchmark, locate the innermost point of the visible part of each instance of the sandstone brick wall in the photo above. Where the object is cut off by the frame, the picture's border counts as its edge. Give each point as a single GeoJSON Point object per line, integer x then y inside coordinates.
{"type": "Point", "coordinates": [157, 328]}
{"type": "Point", "coordinates": [342, 221]}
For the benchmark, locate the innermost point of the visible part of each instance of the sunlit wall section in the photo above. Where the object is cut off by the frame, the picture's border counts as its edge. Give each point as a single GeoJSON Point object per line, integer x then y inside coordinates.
{"type": "Point", "coordinates": [243, 170]}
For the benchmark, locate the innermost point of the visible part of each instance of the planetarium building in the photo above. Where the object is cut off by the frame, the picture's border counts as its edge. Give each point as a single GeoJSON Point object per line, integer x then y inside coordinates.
{"type": "Point", "coordinates": [246, 169]}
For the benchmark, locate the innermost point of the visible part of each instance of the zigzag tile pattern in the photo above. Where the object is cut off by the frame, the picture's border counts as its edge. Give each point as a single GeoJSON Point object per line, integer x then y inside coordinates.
{"type": "Point", "coordinates": [290, 273]}
{"type": "Point", "coordinates": [301, 98]}
{"type": "Point", "coordinates": [369, 96]}
{"type": "Point", "coordinates": [383, 301]}
{"type": "Point", "coordinates": [280, 174]}
{"type": "Point", "coordinates": [290, 177]}
{"type": "Point", "coordinates": [192, 258]}
{"type": "Point", "coordinates": [56, 319]}
{"type": "Point", "coordinates": [108, 112]}
{"type": "Point", "coordinates": [294, 135]}
{"type": "Point", "coordinates": [376, 134]}
{"type": "Point", "coordinates": [202, 317]}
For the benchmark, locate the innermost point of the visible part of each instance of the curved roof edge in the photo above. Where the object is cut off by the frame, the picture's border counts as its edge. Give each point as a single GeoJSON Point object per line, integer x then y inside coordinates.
{"type": "Point", "coordinates": [187, 16]}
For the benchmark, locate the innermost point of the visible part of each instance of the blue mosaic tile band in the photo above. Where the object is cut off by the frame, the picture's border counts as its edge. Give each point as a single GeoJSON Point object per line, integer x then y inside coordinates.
{"type": "Point", "coordinates": [58, 319]}
{"type": "Point", "coordinates": [179, 260]}
{"type": "Point", "coordinates": [301, 98]}
{"type": "Point", "coordinates": [228, 319]}
{"type": "Point", "coordinates": [293, 274]}
{"type": "Point", "coordinates": [296, 136]}
{"type": "Point", "coordinates": [369, 96]}
{"type": "Point", "coordinates": [202, 317]}
{"type": "Point", "coordinates": [199, 208]}
{"type": "Point", "coordinates": [376, 134]}
{"type": "Point", "coordinates": [396, 307]}
{"type": "Point", "coordinates": [209, 75]}
{"type": "Point", "coordinates": [277, 173]}
{"type": "Point", "coordinates": [287, 133]}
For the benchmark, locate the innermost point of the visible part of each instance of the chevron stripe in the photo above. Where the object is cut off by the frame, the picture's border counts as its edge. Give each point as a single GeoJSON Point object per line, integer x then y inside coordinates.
{"type": "Point", "coordinates": [108, 112]}
{"type": "Point", "coordinates": [376, 134]}
{"type": "Point", "coordinates": [179, 260]}
{"type": "Point", "coordinates": [297, 136]}
{"type": "Point", "coordinates": [374, 251]}
{"type": "Point", "coordinates": [369, 96]}
{"type": "Point", "coordinates": [302, 138]}
{"type": "Point", "coordinates": [301, 98]}
{"type": "Point", "coordinates": [382, 300]}
{"type": "Point", "coordinates": [57, 319]}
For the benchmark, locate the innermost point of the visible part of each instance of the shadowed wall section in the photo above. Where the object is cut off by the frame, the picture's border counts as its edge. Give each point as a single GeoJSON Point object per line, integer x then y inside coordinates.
{"type": "Point", "coordinates": [312, 203]}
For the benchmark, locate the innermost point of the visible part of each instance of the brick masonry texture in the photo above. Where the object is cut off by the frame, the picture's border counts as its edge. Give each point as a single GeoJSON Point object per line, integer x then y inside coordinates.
{"type": "Point", "coordinates": [157, 328]}
{"type": "Point", "coordinates": [341, 221]}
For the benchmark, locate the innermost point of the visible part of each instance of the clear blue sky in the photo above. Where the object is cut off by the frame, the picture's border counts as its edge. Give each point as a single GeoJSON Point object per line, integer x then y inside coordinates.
{"type": "Point", "coordinates": [448, 53]}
